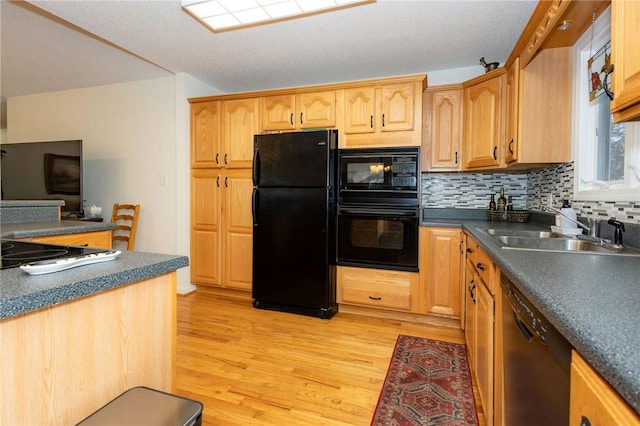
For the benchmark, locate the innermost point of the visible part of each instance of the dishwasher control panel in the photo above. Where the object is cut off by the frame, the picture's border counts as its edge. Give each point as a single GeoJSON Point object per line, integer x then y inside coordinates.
{"type": "Point", "coordinates": [528, 314]}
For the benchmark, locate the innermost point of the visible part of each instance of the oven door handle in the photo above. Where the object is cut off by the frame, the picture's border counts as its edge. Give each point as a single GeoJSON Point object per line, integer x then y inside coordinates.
{"type": "Point", "coordinates": [375, 212]}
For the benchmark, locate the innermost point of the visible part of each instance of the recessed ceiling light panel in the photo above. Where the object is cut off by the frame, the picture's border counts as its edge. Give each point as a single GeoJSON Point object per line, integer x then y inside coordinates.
{"type": "Point", "coordinates": [221, 15]}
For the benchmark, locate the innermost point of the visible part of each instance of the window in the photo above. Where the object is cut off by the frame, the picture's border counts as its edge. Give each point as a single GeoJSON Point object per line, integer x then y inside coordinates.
{"type": "Point", "coordinates": [607, 155]}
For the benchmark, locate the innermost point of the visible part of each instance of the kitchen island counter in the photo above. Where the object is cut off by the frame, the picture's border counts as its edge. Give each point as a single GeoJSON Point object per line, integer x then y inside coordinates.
{"type": "Point", "coordinates": [591, 299]}
{"type": "Point", "coordinates": [21, 293]}
{"type": "Point", "coordinates": [52, 227]}
{"type": "Point", "coordinates": [74, 340]}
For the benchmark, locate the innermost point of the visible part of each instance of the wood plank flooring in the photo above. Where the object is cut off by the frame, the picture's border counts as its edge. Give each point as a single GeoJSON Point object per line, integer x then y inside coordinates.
{"type": "Point", "coordinates": [251, 366]}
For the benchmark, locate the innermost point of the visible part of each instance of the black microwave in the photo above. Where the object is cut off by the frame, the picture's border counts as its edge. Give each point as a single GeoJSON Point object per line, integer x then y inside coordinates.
{"type": "Point", "coordinates": [379, 175]}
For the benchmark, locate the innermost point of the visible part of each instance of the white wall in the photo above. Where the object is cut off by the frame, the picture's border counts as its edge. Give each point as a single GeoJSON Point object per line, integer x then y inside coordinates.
{"type": "Point", "coordinates": [135, 139]}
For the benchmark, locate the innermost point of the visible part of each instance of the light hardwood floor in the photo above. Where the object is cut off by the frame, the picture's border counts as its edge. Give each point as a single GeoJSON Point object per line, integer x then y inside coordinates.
{"type": "Point", "coordinates": [251, 366]}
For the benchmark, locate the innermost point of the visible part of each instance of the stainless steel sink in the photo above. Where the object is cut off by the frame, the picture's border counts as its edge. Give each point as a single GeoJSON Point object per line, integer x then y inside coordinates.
{"type": "Point", "coordinates": [562, 245]}
{"type": "Point", "coordinates": [522, 233]}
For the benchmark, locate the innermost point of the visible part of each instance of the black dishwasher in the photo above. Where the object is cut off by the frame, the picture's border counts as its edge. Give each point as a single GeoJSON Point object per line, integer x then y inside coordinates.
{"type": "Point", "coordinates": [537, 362]}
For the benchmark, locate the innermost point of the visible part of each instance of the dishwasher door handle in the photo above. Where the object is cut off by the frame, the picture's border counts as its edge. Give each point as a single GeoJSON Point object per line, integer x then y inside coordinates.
{"type": "Point", "coordinates": [528, 335]}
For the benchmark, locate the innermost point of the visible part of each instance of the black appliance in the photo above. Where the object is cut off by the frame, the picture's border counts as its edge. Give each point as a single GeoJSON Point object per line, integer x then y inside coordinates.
{"type": "Point", "coordinates": [383, 237]}
{"type": "Point", "coordinates": [537, 360]}
{"type": "Point", "coordinates": [54, 170]}
{"type": "Point", "coordinates": [294, 222]}
{"type": "Point", "coordinates": [16, 253]}
{"type": "Point", "coordinates": [379, 175]}
{"type": "Point", "coordinates": [379, 208]}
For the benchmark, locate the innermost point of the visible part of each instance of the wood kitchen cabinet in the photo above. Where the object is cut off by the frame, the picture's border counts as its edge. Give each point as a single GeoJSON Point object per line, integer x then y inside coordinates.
{"type": "Point", "coordinates": [98, 239]}
{"type": "Point", "coordinates": [205, 134]}
{"type": "Point", "coordinates": [625, 44]}
{"type": "Point", "coordinates": [539, 93]}
{"type": "Point", "coordinates": [384, 115]}
{"type": "Point", "coordinates": [483, 112]}
{"type": "Point", "coordinates": [221, 228]}
{"type": "Point", "coordinates": [239, 123]}
{"type": "Point", "coordinates": [378, 288]}
{"type": "Point", "coordinates": [440, 271]}
{"type": "Point", "coordinates": [298, 111]}
{"type": "Point", "coordinates": [480, 334]}
{"type": "Point", "coordinates": [442, 128]}
{"type": "Point", "coordinates": [593, 401]}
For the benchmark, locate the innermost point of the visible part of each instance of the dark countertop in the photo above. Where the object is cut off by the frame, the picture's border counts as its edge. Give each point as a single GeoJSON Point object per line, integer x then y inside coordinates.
{"type": "Point", "coordinates": [21, 293]}
{"type": "Point", "coordinates": [53, 227]}
{"type": "Point", "coordinates": [593, 300]}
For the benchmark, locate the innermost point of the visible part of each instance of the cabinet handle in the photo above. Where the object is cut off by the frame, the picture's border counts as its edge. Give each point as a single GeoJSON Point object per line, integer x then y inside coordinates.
{"type": "Point", "coordinates": [291, 119]}
{"type": "Point", "coordinates": [584, 421]}
{"type": "Point", "coordinates": [382, 120]}
{"type": "Point", "coordinates": [218, 181]}
{"type": "Point", "coordinates": [371, 122]}
{"type": "Point", "coordinates": [225, 159]}
{"type": "Point", "coordinates": [495, 153]}
{"type": "Point", "coordinates": [375, 298]}
{"type": "Point", "coordinates": [301, 122]}
{"type": "Point", "coordinates": [469, 250]}
{"type": "Point", "coordinates": [511, 147]}
{"type": "Point", "coordinates": [217, 158]}
{"type": "Point", "coordinates": [481, 267]}
{"type": "Point", "coordinates": [472, 287]}
{"type": "Point", "coordinates": [226, 181]}
{"type": "Point", "coordinates": [456, 157]}
{"type": "Point", "coordinates": [605, 84]}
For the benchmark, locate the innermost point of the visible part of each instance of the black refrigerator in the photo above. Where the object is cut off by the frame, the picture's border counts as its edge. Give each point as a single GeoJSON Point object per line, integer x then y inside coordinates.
{"type": "Point", "coordinates": [294, 222]}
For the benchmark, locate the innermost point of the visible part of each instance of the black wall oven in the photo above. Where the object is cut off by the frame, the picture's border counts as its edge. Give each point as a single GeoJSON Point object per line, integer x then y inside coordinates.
{"type": "Point", "coordinates": [379, 208]}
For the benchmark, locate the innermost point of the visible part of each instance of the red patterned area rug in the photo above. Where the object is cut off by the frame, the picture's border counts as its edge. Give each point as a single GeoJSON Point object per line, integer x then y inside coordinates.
{"type": "Point", "coordinates": [428, 383]}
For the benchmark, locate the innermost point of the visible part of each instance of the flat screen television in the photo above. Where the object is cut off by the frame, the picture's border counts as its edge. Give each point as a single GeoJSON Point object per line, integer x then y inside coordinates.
{"type": "Point", "coordinates": [44, 171]}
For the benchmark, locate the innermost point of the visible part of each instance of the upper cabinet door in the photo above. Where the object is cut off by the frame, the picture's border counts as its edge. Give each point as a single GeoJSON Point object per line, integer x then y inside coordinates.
{"type": "Point", "coordinates": [397, 111]}
{"type": "Point", "coordinates": [317, 110]}
{"type": "Point", "coordinates": [625, 44]}
{"type": "Point", "coordinates": [482, 112]}
{"type": "Point", "coordinates": [442, 140]}
{"type": "Point", "coordinates": [278, 112]}
{"type": "Point", "coordinates": [239, 124]}
{"type": "Point", "coordinates": [205, 134]}
{"type": "Point", "coordinates": [512, 108]}
{"type": "Point", "coordinates": [359, 109]}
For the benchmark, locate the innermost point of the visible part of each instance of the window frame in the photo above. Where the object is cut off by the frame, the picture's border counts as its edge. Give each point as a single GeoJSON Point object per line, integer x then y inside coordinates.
{"type": "Point", "coordinates": [584, 143]}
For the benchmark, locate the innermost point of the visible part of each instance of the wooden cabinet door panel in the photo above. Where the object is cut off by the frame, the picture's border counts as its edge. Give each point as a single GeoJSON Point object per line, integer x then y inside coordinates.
{"type": "Point", "coordinates": [442, 268]}
{"type": "Point", "coordinates": [397, 107]}
{"type": "Point", "coordinates": [205, 134]}
{"type": "Point", "coordinates": [482, 123]}
{"type": "Point", "coordinates": [278, 112]}
{"type": "Point", "coordinates": [238, 229]}
{"type": "Point", "coordinates": [317, 109]}
{"type": "Point", "coordinates": [625, 39]}
{"type": "Point", "coordinates": [239, 124]}
{"type": "Point", "coordinates": [446, 130]}
{"type": "Point", "coordinates": [359, 110]}
{"type": "Point", "coordinates": [512, 109]}
{"type": "Point", "coordinates": [484, 348]}
{"type": "Point", "coordinates": [205, 226]}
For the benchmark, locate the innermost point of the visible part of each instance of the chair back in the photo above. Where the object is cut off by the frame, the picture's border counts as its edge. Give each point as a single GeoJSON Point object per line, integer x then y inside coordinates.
{"type": "Point", "coordinates": [125, 216]}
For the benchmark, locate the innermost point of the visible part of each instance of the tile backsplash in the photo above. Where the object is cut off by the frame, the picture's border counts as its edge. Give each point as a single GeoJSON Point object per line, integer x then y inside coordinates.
{"type": "Point", "coordinates": [529, 191]}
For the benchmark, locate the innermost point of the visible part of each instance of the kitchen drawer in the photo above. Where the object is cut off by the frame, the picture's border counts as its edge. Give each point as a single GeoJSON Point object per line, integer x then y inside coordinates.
{"type": "Point", "coordinates": [484, 266]}
{"type": "Point", "coordinates": [376, 287]}
{"type": "Point", "coordinates": [99, 239]}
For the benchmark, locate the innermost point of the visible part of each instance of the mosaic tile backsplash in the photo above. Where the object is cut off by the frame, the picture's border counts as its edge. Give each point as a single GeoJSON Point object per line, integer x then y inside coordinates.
{"type": "Point", "coordinates": [529, 191]}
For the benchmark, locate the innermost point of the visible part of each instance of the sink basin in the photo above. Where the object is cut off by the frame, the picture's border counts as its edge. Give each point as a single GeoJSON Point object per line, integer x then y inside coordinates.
{"type": "Point", "coordinates": [522, 233]}
{"type": "Point", "coordinates": [562, 245]}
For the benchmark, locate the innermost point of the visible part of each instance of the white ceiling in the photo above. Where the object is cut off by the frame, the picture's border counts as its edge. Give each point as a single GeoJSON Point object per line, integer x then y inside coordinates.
{"type": "Point", "coordinates": [67, 44]}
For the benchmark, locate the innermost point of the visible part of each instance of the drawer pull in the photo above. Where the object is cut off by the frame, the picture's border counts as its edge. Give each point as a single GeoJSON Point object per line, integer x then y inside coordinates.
{"type": "Point", "coordinates": [469, 250]}
{"type": "Point", "coordinates": [481, 267]}
{"type": "Point", "coordinates": [375, 298]}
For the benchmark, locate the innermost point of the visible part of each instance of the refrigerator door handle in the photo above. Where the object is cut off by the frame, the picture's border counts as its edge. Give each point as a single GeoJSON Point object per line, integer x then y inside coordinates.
{"type": "Point", "coordinates": [256, 167]}
{"type": "Point", "coordinates": [254, 206]}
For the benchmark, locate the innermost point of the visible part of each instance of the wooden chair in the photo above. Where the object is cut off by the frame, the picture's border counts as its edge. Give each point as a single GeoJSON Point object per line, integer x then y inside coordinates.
{"type": "Point", "coordinates": [125, 216]}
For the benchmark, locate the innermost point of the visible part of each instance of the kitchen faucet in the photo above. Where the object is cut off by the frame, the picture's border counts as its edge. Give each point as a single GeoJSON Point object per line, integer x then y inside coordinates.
{"type": "Point", "coordinates": [577, 222]}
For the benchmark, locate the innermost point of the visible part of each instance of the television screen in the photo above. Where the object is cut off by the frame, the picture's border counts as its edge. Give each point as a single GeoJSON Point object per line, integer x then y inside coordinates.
{"type": "Point", "coordinates": [44, 171]}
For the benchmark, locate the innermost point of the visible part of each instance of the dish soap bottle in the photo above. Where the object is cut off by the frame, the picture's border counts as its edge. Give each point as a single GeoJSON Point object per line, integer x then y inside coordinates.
{"type": "Point", "coordinates": [492, 203]}
{"type": "Point", "coordinates": [569, 212]}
